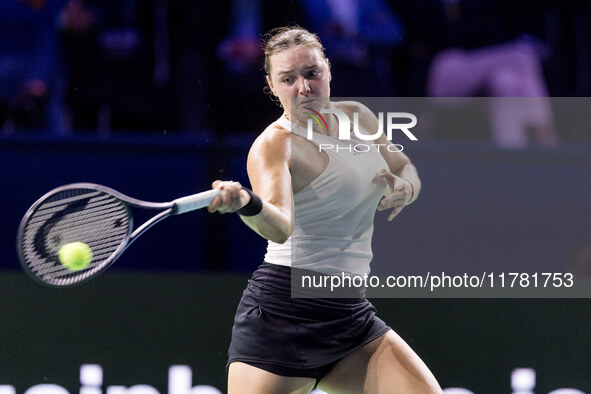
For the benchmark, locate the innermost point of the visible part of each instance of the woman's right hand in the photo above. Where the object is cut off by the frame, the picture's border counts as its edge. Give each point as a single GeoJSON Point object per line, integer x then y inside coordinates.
{"type": "Point", "coordinates": [231, 198]}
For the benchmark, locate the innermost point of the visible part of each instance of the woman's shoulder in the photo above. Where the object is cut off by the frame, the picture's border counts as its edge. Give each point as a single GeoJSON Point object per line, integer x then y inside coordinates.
{"type": "Point", "coordinates": [367, 119]}
{"type": "Point", "coordinates": [273, 140]}
{"type": "Point", "coordinates": [350, 107]}
{"type": "Point", "coordinates": [273, 134]}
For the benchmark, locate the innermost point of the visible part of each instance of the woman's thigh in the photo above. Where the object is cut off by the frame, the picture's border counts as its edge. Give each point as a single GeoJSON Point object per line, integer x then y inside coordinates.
{"type": "Point", "coordinates": [247, 379]}
{"type": "Point", "coordinates": [385, 365]}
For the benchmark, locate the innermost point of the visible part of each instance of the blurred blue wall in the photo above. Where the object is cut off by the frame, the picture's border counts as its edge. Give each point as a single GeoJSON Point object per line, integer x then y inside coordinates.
{"type": "Point", "coordinates": [480, 207]}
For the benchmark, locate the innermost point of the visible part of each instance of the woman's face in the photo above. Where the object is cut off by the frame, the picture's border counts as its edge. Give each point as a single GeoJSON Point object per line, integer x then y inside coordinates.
{"type": "Point", "coordinates": [300, 78]}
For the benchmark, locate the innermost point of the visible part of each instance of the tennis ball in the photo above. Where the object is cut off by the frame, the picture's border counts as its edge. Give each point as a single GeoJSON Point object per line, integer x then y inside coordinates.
{"type": "Point", "coordinates": [75, 255]}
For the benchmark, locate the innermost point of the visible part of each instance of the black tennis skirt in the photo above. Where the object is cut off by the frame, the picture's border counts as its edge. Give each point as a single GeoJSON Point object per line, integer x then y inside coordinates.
{"type": "Point", "coordinates": [302, 337]}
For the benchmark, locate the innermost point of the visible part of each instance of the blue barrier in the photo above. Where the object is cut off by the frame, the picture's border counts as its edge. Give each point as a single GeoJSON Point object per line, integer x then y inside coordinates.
{"type": "Point", "coordinates": [478, 205]}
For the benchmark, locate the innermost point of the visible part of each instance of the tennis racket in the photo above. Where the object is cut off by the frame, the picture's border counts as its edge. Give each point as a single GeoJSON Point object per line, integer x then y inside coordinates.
{"type": "Point", "coordinates": [93, 214]}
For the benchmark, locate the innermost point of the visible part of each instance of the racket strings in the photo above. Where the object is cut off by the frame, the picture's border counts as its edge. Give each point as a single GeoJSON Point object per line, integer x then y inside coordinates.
{"type": "Point", "coordinates": [93, 217]}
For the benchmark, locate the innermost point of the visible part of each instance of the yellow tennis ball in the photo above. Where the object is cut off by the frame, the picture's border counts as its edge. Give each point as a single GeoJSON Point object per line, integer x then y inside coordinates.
{"type": "Point", "coordinates": [75, 255]}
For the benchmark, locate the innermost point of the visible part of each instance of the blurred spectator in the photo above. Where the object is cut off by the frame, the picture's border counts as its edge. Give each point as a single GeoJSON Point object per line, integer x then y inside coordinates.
{"type": "Point", "coordinates": [241, 83]}
{"type": "Point", "coordinates": [28, 61]}
{"type": "Point", "coordinates": [196, 28]}
{"type": "Point", "coordinates": [470, 50]}
{"type": "Point", "coordinates": [241, 49]}
{"type": "Point", "coordinates": [360, 38]}
{"type": "Point", "coordinates": [117, 52]}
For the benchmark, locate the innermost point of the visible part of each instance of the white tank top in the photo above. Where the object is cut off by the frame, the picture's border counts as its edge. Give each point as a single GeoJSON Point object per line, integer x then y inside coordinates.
{"type": "Point", "coordinates": [334, 214]}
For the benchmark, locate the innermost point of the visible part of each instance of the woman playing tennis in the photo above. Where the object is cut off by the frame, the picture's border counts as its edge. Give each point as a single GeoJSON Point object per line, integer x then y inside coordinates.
{"type": "Point", "coordinates": [316, 209]}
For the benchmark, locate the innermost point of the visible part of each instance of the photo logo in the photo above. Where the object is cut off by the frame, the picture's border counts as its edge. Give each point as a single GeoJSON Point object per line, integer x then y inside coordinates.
{"type": "Point", "coordinates": [345, 129]}
{"type": "Point", "coordinates": [317, 117]}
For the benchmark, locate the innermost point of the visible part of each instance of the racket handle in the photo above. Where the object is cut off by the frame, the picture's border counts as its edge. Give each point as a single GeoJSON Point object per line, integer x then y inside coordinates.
{"type": "Point", "coordinates": [196, 201]}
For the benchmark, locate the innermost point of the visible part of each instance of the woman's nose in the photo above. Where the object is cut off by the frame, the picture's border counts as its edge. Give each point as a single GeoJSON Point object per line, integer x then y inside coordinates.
{"type": "Point", "coordinates": [304, 86]}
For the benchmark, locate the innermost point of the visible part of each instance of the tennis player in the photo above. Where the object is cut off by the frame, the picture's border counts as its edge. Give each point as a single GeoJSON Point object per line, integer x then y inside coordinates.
{"type": "Point", "coordinates": [316, 209]}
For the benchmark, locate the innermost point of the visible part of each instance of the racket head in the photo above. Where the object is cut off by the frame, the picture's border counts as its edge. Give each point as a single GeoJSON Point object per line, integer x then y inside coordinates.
{"type": "Point", "coordinates": [81, 212]}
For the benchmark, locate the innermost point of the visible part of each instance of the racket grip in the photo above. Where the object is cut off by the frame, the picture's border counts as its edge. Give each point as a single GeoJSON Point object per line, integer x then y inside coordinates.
{"type": "Point", "coordinates": [196, 201]}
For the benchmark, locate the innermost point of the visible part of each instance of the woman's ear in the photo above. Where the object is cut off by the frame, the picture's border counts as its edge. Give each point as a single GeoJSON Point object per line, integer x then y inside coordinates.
{"type": "Point", "coordinates": [270, 83]}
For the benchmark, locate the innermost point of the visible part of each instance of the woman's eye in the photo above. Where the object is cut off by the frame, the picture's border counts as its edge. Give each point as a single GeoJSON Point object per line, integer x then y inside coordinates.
{"type": "Point", "coordinates": [287, 80]}
{"type": "Point", "coordinates": [313, 74]}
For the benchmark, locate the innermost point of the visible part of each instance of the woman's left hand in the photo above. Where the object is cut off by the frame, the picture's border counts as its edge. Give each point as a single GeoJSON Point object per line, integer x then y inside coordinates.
{"type": "Point", "coordinates": [398, 195]}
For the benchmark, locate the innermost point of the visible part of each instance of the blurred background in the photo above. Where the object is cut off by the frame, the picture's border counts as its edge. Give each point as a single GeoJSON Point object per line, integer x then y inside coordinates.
{"type": "Point", "coordinates": [85, 66]}
{"type": "Point", "coordinates": [159, 98]}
